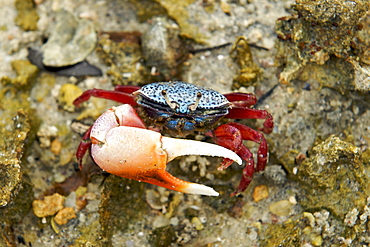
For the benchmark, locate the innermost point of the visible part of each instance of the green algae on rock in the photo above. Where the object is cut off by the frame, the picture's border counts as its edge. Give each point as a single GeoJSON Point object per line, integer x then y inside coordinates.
{"type": "Point", "coordinates": [27, 15]}
{"type": "Point", "coordinates": [330, 73]}
{"type": "Point", "coordinates": [178, 11]}
{"type": "Point", "coordinates": [26, 74]}
{"type": "Point", "coordinates": [249, 72]}
{"type": "Point", "coordinates": [15, 189]}
{"type": "Point", "coordinates": [315, 229]}
{"type": "Point", "coordinates": [15, 127]}
{"type": "Point", "coordinates": [333, 177]}
{"type": "Point", "coordinates": [67, 94]}
{"type": "Point", "coordinates": [163, 236]}
{"type": "Point", "coordinates": [321, 30]}
{"type": "Point", "coordinates": [282, 235]}
{"type": "Point", "coordinates": [123, 57]}
{"type": "Point", "coordinates": [12, 143]}
{"type": "Point", "coordinates": [12, 214]}
{"type": "Point", "coordinates": [17, 132]}
{"type": "Point", "coordinates": [288, 160]}
{"type": "Point", "coordinates": [147, 9]}
{"type": "Point", "coordinates": [116, 209]}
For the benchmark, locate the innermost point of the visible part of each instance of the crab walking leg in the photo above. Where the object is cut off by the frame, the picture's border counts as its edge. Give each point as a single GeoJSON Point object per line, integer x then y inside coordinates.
{"type": "Point", "coordinates": [248, 113]}
{"type": "Point", "coordinates": [85, 144]}
{"type": "Point", "coordinates": [142, 155]}
{"type": "Point", "coordinates": [231, 136]}
{"type": "Point", "coordinates": [241, 99]}
{"type": "Point", "coordinates": [118, 96]}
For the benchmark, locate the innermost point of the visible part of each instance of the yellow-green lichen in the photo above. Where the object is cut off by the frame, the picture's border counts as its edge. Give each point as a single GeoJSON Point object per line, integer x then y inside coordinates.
{"type": "Point", "coordinates": [288, 160]}
{"type": "Point", "coordinates": [116, 210]}
{"type": "Point", "coordinates": [282, 235]}
{"type": "Point", "coordinates": [329, 74]}
{"type": "Point", "coordinates": [123, 60]}
{"type": "Point", "coordinates": [249, 72]}
{"type": "Point", "coordinates": [67, 94]}
{"type": "Point", "coordinates": [322, 30]}
{"type": "Point", "coordinates": [26, 74]}
{"type": "Point", "coordinates": [17, 133]}
{"type": "Point", "coordinates": [163, 236]}
{"type": "Point", "coordinates": [90, 236]}
{"type": "Point", "coordinates": [333, 177]}
{"type": "Point", "coordinates": [146, 9]}
{"type": "Point", "coordinates": [177, 10]}
{"type": "Point", "coordinates": [27, 15]}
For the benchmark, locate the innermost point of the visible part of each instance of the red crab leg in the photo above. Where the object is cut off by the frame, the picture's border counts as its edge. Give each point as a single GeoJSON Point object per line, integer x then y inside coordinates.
{"type": "Point", "coordinates": [126, 88]}
{"type": "Point", "coordinates": [248, 170]}
{"type": "Point", "coordinates": [250, 134]}
{"type": "Point", "coordinates": [117, 96]}
{"type": "Point", "coordinates": [230, 136]}
{"type": "Point", "coordinates": [85, 144]}
{"type": "Point", "coordinates": [241, 99]}
{"type": "Point", "coordinates": [248, 113]}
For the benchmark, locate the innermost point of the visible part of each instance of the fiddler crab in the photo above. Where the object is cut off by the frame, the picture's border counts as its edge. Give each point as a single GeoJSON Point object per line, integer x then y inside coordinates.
{"type": "Point", "coordinates": [121, 144]}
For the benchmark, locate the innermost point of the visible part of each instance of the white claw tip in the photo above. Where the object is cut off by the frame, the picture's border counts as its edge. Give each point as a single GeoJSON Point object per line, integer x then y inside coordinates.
{"type": "Point", "coordinates": [178, 147]}
{"type": "Point", "coordinates": [199, 189]}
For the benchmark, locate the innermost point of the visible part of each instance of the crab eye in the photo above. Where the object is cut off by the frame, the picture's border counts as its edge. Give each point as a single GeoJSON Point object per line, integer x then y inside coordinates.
{"type": "Point", "coordinates": [194, 106]}
{"type": "Point", "coordinates": [171, 104]}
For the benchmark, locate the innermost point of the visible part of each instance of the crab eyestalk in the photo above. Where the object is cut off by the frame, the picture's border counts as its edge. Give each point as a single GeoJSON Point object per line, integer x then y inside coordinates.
{"type": "Point", "coordinates": [142, 154]}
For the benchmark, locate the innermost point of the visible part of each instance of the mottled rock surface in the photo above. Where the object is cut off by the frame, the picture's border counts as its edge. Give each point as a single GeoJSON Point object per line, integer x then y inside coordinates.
{"type": "Point", "coordinates": [317, 174]}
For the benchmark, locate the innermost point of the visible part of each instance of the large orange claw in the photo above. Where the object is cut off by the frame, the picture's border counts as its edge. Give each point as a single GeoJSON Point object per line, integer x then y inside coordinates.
{"type": "Point", "coordinates": [122, 146]}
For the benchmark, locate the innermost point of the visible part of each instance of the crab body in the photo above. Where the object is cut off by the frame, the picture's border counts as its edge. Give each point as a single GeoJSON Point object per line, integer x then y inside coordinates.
{"type": "Point", "coordinates": [121, 144]}
{"type": "Point", "coordinates": [182, 108]}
